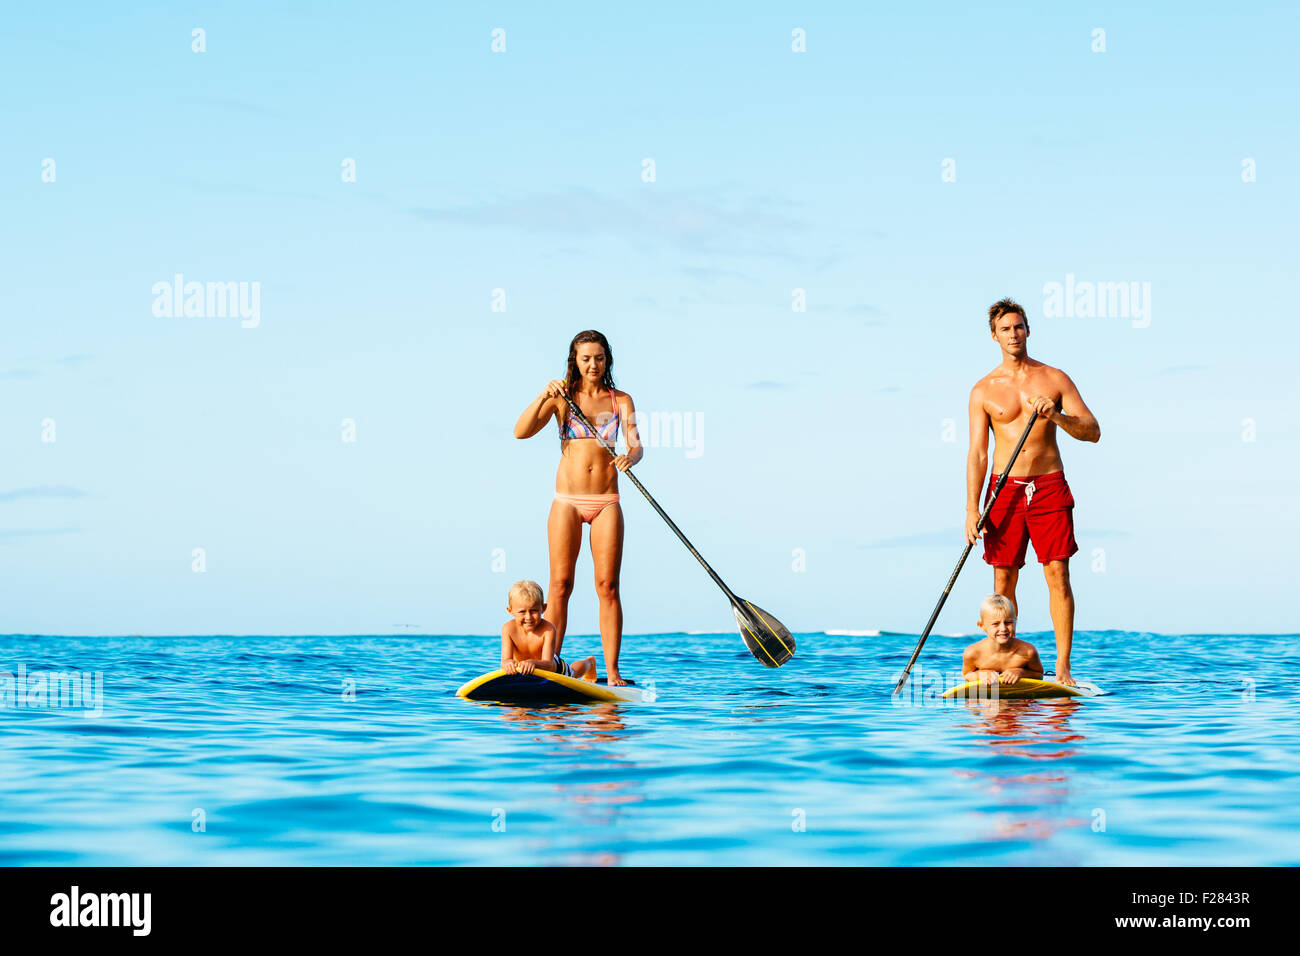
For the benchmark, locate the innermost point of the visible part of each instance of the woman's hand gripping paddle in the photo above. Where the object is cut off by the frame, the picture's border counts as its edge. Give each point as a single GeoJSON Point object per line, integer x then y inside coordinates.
{"type": "Point", "coordinates": [767, 638]}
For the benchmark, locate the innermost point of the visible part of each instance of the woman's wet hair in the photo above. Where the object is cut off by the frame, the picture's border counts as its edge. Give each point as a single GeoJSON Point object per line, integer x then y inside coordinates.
{"type": "Point", "coordinates": [572, 376]}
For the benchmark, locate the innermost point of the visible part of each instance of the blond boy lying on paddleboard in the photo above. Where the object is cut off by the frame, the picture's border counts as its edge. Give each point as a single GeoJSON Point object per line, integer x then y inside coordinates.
{"type": "Point", "coordinates": [1000, 657]}
{"type": "Point", "coordinates": [528, 642]}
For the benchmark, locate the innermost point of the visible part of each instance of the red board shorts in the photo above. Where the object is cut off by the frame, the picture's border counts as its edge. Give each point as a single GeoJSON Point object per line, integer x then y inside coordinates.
{"type": "Point", "coordinates": [1038, 509]}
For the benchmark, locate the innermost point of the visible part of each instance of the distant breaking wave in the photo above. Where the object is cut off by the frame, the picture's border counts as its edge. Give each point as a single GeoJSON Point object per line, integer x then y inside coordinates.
{"type": "Point", "coordinates": [849, 633]}
{"type": "Point", "coordinates": [837, 632]}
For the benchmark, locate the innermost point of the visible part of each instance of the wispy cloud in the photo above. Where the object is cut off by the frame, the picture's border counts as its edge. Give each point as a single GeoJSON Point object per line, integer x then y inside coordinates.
{"type": "Point", "coordinates": [697, 224]}
{"type": "Point", "coordinates": [925, 539]}
{"type": "Point", "coordinates": [26, 373]}
{"type": "Point", "coordinates": [43, 491]}
{"type": "Point", "coordinates": [234, 106]}
{"type": "Point", "coordinates": [8, 535]}
{"type": "Point", "coordinates": [713, 275]}
{"type": "Point", "coordinates": [242, 189]}
{"type": "Point", "coordinates": [864, 310]}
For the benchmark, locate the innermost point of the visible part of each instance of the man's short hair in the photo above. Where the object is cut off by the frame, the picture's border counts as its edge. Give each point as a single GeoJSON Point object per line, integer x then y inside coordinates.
{"type": "Point", "coordinates": [1001, 308]}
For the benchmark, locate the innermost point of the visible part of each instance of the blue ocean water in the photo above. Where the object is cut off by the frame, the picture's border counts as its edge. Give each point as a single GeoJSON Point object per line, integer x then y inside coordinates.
{"type": "Point", "coordinates": [330, 750]}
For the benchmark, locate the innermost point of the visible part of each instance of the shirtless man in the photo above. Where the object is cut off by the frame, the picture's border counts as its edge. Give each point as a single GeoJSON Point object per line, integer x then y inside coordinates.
{"type": "Point", "coordinates": [1035, 504]}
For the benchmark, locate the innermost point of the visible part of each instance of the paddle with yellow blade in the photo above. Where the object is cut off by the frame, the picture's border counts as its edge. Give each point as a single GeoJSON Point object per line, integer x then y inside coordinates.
{"type": "Point", "coordinates": [767, 638]}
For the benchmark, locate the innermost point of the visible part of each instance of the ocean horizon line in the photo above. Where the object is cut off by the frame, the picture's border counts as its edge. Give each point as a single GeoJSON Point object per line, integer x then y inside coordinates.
{"type": "Point", "coordinates": [833, 632]}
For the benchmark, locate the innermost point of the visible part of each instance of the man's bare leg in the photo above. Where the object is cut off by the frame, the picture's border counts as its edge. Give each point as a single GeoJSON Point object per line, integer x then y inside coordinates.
{"type": "Point", "coordinates": [1004, 583]}
{"type": "Point", "coordinates": [1062, 608]}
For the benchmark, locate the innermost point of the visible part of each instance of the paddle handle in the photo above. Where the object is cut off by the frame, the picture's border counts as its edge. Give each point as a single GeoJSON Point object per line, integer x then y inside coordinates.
{"type": "Point", "coordinates": [979, 526]}
{"type": "Point", "coordinates": [650, 498]}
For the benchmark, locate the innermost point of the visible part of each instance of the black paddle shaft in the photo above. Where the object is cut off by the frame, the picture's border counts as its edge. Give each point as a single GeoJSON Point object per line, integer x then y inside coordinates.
{"type": "Point", "coordinates": [654, 504]}
{"type": "Point", "coordinates": [766, 638]}
{"type": "Point", "coordinates": [997, 489]}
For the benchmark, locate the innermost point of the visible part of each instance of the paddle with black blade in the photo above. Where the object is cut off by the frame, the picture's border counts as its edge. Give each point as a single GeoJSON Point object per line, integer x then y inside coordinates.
{"type": "Point", "coordinates": [767, 638]}
{"type": "Point", "coordinates": [997, 489]}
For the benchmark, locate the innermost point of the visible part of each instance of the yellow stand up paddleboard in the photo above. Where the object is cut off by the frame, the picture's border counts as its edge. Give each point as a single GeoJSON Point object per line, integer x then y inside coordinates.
{"type": "Point", "coordinates": [1027, 688]}
{"type": "Point", "coordinates": [546, 687]}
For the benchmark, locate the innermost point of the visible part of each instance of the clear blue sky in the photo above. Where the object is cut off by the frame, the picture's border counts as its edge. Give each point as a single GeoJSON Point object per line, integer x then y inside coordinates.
{"type": "Point", "coordinates": [822, 430]}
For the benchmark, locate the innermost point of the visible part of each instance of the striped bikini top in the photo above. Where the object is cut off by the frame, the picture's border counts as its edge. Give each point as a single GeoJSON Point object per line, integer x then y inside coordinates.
{"type": "Point", "coordinates": [607, 431]}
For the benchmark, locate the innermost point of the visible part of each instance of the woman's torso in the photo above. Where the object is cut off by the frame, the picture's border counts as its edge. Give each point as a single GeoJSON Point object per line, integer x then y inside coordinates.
{"type": "Point", "coordinates": [586, 468]}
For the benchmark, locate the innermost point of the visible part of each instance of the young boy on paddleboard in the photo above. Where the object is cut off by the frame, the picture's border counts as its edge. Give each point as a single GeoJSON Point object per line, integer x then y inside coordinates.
{"type": "Point", "coordinates": [1000, 656]}
{"type": "Point", "coordinates": [528, 642]}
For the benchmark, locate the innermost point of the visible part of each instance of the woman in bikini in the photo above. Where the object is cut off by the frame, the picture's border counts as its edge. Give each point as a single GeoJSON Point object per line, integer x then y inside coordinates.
{"type": "Point", "coordinates": [586, 485]}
